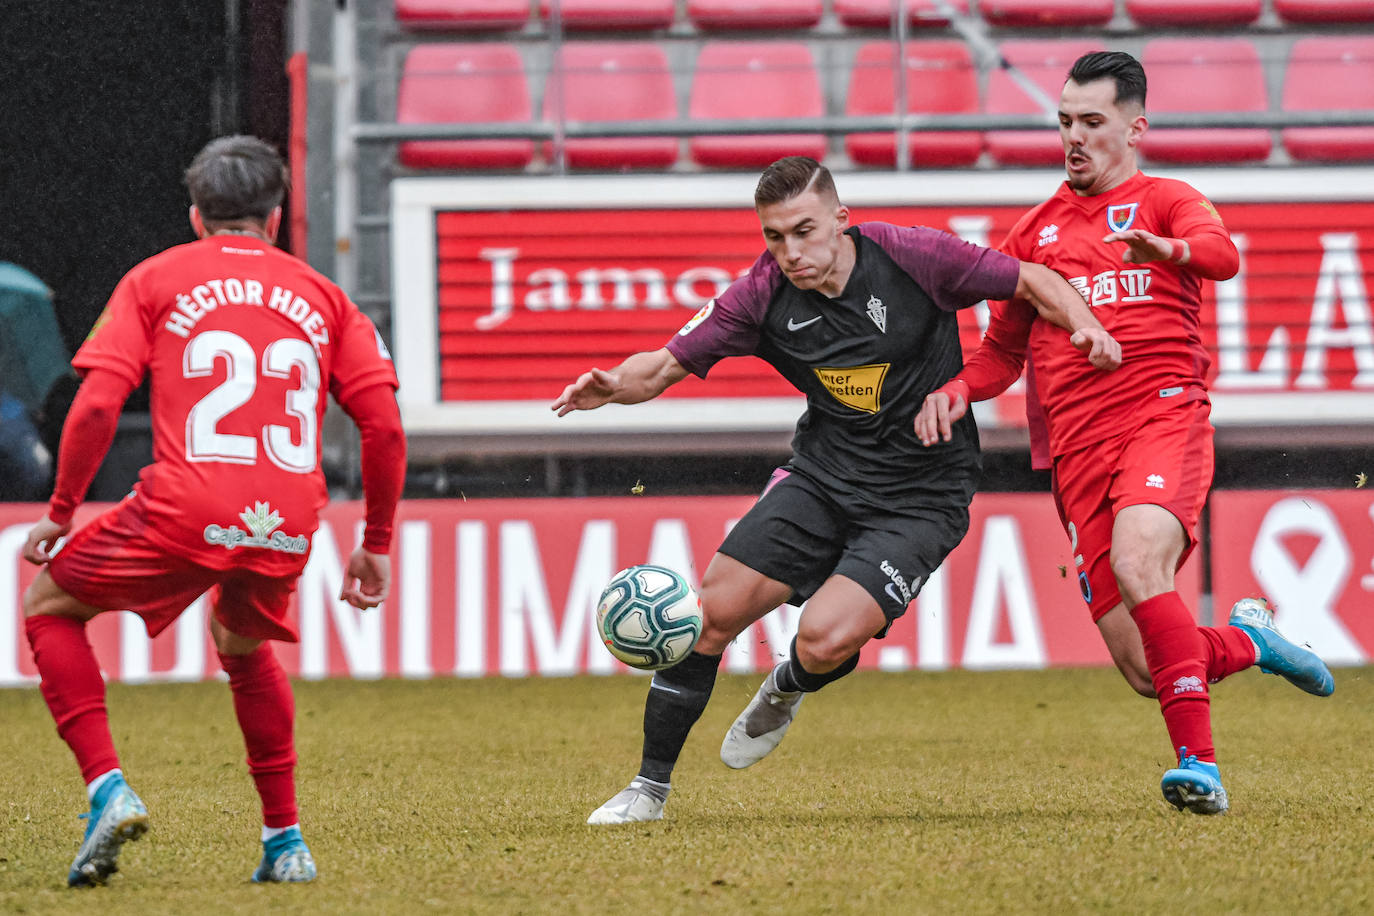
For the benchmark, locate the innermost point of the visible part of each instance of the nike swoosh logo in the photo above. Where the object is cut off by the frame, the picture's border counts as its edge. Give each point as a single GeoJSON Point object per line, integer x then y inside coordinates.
{"type": "Point", "coordinates": [793, 325]}
{"type": "Point", "coordinates": [657, 686]}
{"type": "Point", "coordinates": [891, 590]}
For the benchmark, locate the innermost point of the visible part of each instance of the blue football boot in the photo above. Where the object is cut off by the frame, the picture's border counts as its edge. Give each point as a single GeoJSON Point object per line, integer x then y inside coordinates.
{"type": "Point", "coordinates": [285, 857]}
{"type": "Point", "coordinates": [1194, 785]}
{"type": "Point", "coordinates": [1299, 665]}
{"type": "Point", "coordinates": [116, 815]}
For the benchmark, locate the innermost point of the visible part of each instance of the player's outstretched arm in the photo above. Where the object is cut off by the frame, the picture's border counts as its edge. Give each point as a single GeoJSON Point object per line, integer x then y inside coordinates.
{"type": "Point", "coordinates": [1061, 305]}
{"type": "Point", "coordinates": [642, 377]}
{"type": "Point", "coordinates": [1207, 252]}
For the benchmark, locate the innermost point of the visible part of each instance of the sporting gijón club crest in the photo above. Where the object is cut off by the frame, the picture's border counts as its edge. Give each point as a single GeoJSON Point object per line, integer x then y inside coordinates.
{"type": "Point", "coordinates": [878, 312]}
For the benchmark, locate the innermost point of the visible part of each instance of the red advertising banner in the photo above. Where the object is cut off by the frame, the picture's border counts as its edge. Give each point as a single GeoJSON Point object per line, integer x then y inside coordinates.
{"type": "Point", "coordinates": [529, 298]}
{"type": "Point", "coordinates": [1311, 553]}
{"type": "Point", "coordinates": [509, 587]}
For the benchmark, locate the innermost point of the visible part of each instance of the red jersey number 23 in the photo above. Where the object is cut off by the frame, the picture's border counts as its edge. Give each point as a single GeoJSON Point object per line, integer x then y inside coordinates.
{"type": "Point", "coordinates": [204, 441]}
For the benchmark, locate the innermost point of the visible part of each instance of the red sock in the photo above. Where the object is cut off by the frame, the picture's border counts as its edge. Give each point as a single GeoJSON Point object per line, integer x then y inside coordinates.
{"type": "Point", "coordinates": [1228, 650]}
{"type": "Point", "coordinates": [266, 712]}
{"type": "Point", "coordinates": [74, 690]}
{"type": "Point", "coordinates": [1177, 655]}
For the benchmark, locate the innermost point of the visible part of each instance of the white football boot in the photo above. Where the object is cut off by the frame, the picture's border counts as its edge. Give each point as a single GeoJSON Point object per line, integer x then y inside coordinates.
{"type": "Point", "coordinates": [761, 726]}
{"type": "Point", "coordinates": [632, 804]}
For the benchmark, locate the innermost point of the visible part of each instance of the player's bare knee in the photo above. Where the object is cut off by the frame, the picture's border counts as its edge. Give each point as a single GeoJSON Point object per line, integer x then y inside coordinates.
{"type": "Point", "coordinates": [820, 652]}
{"type": "Point", "coordinates": [228, 642]}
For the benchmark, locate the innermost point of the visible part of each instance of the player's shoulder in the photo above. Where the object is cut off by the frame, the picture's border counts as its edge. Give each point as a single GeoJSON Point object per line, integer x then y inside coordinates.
{"type": "Point", "coordinates": [907, 245]}
{"type": "Point", "coordinates": [756, 286]}
{"type": "Point", "coordinates": [1169, 189]}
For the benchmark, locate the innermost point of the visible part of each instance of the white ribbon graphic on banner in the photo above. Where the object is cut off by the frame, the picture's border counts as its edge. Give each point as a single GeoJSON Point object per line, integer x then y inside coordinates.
{"type": "Point", "coordinates": [1304, 595]}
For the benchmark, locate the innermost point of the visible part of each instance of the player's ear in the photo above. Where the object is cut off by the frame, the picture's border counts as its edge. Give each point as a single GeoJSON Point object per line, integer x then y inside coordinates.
{"type": "Point", "coordinates": [197, 224]}
{"type": "Point", "coordinates": [842, 217]}
{"type": "Point", "coordinates": [1135, 131]}
{"type": "Point", "coordinates": [273, 224]}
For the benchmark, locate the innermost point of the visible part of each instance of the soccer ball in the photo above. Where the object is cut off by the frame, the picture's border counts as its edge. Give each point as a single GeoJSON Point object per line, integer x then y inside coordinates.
{"type": "Point", "coordinates": [649, 617]}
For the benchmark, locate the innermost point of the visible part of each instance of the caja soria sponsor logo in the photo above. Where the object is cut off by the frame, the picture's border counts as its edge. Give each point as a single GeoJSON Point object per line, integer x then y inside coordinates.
{"type": "Point", "coordinates": [262, 522]}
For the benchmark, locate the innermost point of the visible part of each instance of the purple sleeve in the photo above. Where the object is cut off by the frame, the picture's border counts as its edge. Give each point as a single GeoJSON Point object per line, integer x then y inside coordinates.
{"type": "Point", "coordinates": [955, 273]}
{"type": "Point", "coordinates": [729, 324]}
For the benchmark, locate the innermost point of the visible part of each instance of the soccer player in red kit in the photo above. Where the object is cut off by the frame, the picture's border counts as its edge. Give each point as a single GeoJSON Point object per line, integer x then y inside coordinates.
{"type": "Point", "coordinates": [241, 343]}
{"type": "Point", "coordinates": [1131, 451]}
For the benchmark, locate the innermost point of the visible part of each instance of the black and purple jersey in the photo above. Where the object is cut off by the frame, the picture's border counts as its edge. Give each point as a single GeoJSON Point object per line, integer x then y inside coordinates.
{"type": "Point", "coordinates": [865, 360]}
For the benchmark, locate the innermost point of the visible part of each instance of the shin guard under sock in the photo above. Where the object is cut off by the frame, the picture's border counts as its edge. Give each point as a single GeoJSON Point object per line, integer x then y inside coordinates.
{"type": "Point", "coordinates": [1177, 655]}
{"type": "Point", "coordinates": [73, 689]}
{"type": "Point", "coordinates": [266, 712]}
{"type": "Point", "coordinates": [677, 696]}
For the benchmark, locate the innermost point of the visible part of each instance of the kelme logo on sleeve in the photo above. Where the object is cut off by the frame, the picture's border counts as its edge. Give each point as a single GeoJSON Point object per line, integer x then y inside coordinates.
{"type": "Point", "coordinates": [857, 386]}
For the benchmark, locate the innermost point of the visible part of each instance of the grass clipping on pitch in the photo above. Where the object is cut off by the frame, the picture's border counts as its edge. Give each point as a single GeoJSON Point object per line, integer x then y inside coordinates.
{"type": "Point", "coordinates": [920, 792]}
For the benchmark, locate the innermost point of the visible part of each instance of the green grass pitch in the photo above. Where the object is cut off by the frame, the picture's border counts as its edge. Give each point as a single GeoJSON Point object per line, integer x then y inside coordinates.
{"type": "Point", "coordinates": [893, 793]}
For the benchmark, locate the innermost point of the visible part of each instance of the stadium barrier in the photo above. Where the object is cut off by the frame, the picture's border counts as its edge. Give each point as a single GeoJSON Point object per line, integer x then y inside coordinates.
{"type": "Point", "coordinates": [509, 587]}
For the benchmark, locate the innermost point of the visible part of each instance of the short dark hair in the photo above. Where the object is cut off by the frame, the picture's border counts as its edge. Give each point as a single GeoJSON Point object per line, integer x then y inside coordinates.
{"type": "Point", "coordinates": [237, 178]}
{"type": "Point", "coordinates": [790, 176]}
{"type": "Point", "coordinates": [1118, 66]}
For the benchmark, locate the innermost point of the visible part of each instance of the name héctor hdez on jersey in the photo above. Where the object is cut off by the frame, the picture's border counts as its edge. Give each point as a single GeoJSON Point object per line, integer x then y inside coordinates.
{"type": "Point", "coordinates": [205, 297]}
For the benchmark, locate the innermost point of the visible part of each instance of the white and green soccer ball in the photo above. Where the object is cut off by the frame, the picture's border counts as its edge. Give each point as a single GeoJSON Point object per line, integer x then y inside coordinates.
{"type": "Point", "coordinates": [649, 617]}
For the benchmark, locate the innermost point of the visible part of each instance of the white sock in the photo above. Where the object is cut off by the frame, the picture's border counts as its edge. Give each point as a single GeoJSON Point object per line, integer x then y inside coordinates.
{"type": "Point", "coordinates": [270, 832]}
{"type": "Point", "coordinates": [94, 785]}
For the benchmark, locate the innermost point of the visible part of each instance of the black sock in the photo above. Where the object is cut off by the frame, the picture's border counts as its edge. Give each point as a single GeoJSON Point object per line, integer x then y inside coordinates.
{"type": "Point", "coordinates": [792, 677]}
{"type": "Point", "coordinates": [677, 696]}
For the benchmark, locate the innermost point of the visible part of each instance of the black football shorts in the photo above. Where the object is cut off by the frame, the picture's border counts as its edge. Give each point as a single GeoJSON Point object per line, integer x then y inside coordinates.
{"type": "Point", "coordinates": [801, 535]}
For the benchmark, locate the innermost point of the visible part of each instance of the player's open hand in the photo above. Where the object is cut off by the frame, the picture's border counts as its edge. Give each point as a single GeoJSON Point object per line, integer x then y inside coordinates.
{"type": "Point", "coordinates": [41, 543]}
{"type": "Point", "coordinates": [1141, 247]}
{"type": "Point", "coordinates": [367, 579]}
{"type": "Point", "coordinates": [935, 421]}
{"type": "Point", "coordinates": [591, 390]}
{"type": "Point", "coordinates": [1100, 347]}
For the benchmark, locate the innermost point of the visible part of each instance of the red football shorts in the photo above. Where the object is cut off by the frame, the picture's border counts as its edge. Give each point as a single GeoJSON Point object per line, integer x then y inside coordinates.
{"type": "Point", "coordinates": [1165, 461]}
{"type": "Point", "coordinates": [109, 564]}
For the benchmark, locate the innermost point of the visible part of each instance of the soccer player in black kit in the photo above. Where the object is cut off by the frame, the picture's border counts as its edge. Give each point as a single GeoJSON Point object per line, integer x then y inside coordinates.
{"type": "Point", "coordinates": [861, 320]}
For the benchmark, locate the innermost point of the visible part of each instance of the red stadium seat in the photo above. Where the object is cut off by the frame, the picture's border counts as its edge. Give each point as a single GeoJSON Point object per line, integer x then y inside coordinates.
{"type": "Point", "coordinates": [878, 13]}
{"type": "Point", "coordinates": [464, 83]}
{"type": "Point", "coordinates": [463, 14]}
{"type": "Point", "coordinates": [622, 81]}
{"type": "Point", "coordinates": [1201, 75]}
{"type": "Point", "coordinates": [750, 80]}
{"type": "Point", "coordinates": [1033, 13]}
{"type": "Point", "coordinates": [754, 14]}
{"type": "Point", "coordinates": [1324, 11]}
{"type": "Point", "coordinates": [940, 78]}
{"type": "Point", "coordinates": [1193, 12]}
{"type": "Point", "coordinates": [610, 14]}
{"type": "Point", "coordinates": [1330, 73]}
{"type": "Point", "coordinates": [1047, 64]}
